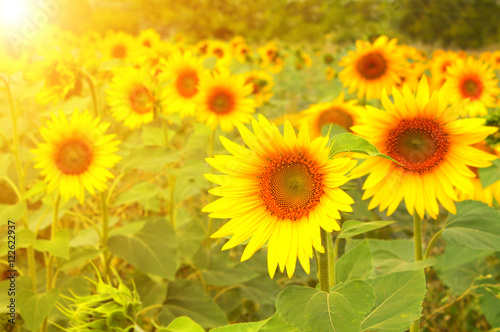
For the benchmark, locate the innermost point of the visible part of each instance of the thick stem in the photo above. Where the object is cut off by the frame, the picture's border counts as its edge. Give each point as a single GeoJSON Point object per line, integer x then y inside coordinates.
{"type": "Point", "coordinates": [431, 244]}
{"type": "Point", "coordinates": [104, 232]}
{"type": "Point", "coordinates": [91, 84]}
{"type": "Point", "coordinates": [323, 263]}
{"type": "Point", "coordinates": [417, 241]}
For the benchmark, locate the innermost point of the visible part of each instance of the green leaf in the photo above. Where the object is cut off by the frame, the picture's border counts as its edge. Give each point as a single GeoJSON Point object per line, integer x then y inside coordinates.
{"type": "Point", "coordinates": [342, 310]}
{"type": "Point", "coordinates": [34, 308]}
{"type": "Point", "coordinates": [25, 237]}
{"type": "Point", "coordinates": [356, 263]}
{"type": "Point", "coordinates": [275, 323]}
{"type": "Point", "coordinates": [13, 212]}
{"type": "Point", "coordinates": [476, 225]}
{"type": "Point", "coordinates": [58, 246]}
{"type": "Point", "coordinates": [458, 267]}
{"type": "Point", "coordinates": [151, 291]}
{"type": "Point", "coordinates": [152, 250]}
{"type": "Point", "coordinates": [489, 299]}
{"type": "Point", "coordinates": [182, 324]}
{"type": "Point", "coordinates": [79, 257]}
{"type": "Point", "coordinates": [490, 175]}
{"type": "Point", "coordinates": [353, 143]}
{"type": "Point", "coordinates": [398, 303]}
{"type": "Point", "coordinates": [352, 228]}
{"type": "Point", "coordinates": [151, 159]}
{"type": "Point", "coordinates": [218, 269]}
{"type": "Point", "coordinates": [153, 136]}
{"type": "Point", "coordinates": [187, 298]}
{"type": "Point", "coordinates": [242, 327]}
{"type": "Point", "coordinates": [190, 237]}
{"type": "Point", "coordinates": [145, 193]}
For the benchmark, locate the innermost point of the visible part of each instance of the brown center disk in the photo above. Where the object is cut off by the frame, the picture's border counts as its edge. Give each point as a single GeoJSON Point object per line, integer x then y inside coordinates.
{"type": "Point", "coordinates": [141, 99]}
{"type": "Point", "coordinates": [418, 144]}
{"type": "Point", "coordinates": [335, 116]}
{"type": "Point", "coordinates": [187, 83]}
{"type": "Point", "coordinates": [221, 102]}
{"type": "Point", "coordinates": [119, 51]}
{"type": "Point", "coordinates": [471, 88]}
{"type": "Point", "coordinates": [372, 66]}
{"type": "Point", "coordinates": [74, 157]}
{"type": "Point", "coordinates": [291, 186]}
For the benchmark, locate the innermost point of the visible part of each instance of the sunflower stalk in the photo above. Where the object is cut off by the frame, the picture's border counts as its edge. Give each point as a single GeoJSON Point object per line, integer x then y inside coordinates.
{"type": "Point", "coordinates": [21, 177]}
{"type": "Point", "coordinates": [324, 262]}
{"type": "Point", "coordinates": [417, 241]}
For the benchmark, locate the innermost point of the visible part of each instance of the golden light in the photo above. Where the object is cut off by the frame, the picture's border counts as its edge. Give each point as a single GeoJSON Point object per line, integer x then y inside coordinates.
{"type": "Point", "coordinates": [12, 11]}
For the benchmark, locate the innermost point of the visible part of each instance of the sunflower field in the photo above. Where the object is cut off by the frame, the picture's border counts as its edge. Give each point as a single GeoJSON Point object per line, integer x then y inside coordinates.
{"type": "Point", "coordinates": [238, 178]}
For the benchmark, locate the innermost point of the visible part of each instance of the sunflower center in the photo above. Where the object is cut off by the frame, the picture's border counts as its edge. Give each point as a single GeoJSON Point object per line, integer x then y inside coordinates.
{"type": "Point", "coordinates": [372, 66]}
{"type": "Point", "coordinates": [335, 116]}
{"type": "Point", "coordinates": [74, 157]}
{"type": "Point", "coordinates": [291, 186]}
{"type": "Point", "coordinates": [471, 88]}
{"type": "Point", "coordinates": [141, 99]}
{"type": "Point", "coordinates": [219, 53]}
{"type": "Point", "coordinates": [221, 102]}
{"type": "Point", "coordinates": [418, 144]}
{"type": "Point", "coordinates": [119, 51]}
{"type": "Point", "coordinates": [186, 84]}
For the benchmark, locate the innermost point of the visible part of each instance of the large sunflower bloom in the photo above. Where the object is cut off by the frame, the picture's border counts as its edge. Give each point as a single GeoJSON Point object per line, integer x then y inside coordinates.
{"type": "Point", "coordinates": [184, 71]}
{"type": "Point", "coordinates": [337, 112]}
{"type": "Point", "coordinates": [131, 97]}
{"type": "Point", "coordinates": [474, 80]}
{"type": "Point", "coordinates": [76, 155]}
{"type": "Point", "coordinates": [372, 67]}
{"type": "Point", "coordinates": [223, 100]}
{"type": "Point", "coordinates": [280, 190]}
{"type": "Point", "coordinates": [433, 148]}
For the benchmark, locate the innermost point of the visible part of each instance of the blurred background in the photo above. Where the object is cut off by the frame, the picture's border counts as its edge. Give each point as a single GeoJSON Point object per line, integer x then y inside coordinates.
{"type": "Point", "coordinates": [465, 24]}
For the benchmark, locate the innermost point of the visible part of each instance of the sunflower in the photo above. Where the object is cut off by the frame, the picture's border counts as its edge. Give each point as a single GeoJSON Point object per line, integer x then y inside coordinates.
{"type": "Point", "coordinates": [330, 73]}
{"type": "Point", "coordinates": [76, 155]}
{"type": "Point", "coordinates": [131, 97]}
{"type": "Point", "coordinates": [485, 195]}
{"type": "Point", "coordinates": [281, 190]}
{"type": "Point", "coordinates": [337, 112]}
{"type": "Point", "coordinates": [270, 57]}
{"type": "Point", "coordinates": [494, 60]}
{"type": "Point", "coordinates": [432, 147]}
{"type": "Point", "coordinates": [119, 45]}
{"type": "Point", "coordinates": [184, 71]}
{"type": "Point", "coordinates": [61, 77]}
{"type": "Point", "coordinates": [438, 66]}
{"type": "Point", "coordinates": [221, 51]}
{"type": "Point", "coordinates": [222, 100]}
{"type": "Point", "coordinates": [243, 53]}
{"type": "Point", "coordinates": [473, 80]}
{"type": "Point", "coordinates": [372, 67]}
{"type": "Point", "coordinates": [411, 75]}
{"type": "Point", "coordinates": [262, 83]}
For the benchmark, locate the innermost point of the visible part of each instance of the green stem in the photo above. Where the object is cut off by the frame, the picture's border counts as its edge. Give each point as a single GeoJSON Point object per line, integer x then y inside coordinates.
{"type": "Point", "coordinates": [431, 244]}
{"type": "Point", "coordinates": [323, 263]}
{"type": "Point", "coordinates": [333, 260]}
{"type": "Point", "coordinates": [417, 240]}
{"type": "Point", "coordinates": [104, 233]}
{"type": "Point", "coordinates": [91, 84]}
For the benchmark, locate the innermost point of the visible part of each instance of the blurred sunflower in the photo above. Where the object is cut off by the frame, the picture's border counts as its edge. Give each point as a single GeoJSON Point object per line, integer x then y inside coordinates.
{"type": "Point", "coordinates": [411, 75]}
{"type": "Point", "coordinates": [473, 80]}
{"type": "Point", "coordinates": [262, 83]}
{"type": "Point", "coordinates": [412, 53]}
{"type": "Point", "coordinates": [281, 190]}
{"type": "Point", "coordinates": [330, 73]}
{"type": "Point", "coordinates": [494, 60]}
{"type": "Point", "coordinates": [481, 194]}
{"type": "Point", "coordinates": [131, 97]}
{"type": "Point", "coordinates": [270, 58]}
{"type": "Point", "coordinates": [149, 38]}
{"type": "Point", "coordinates": [118, 45]}
{"type": "Point", "coordinates": [372, 67]}
{"type": "Point", "coordinates": [76, 155]}
{"type": "Point", "coordinates": [433, 148]}
{"type": "Point", "coordinates": [223, 100]}
{"type": "Point", "coordinates": [60, 74]}
{"type": "Point", "coordinates": [184, 72]}
{"type": "Point", "coordinates": [322, 115]}
{"type": "Point", "coordinates": [221, 51]}
{"type": "Point", "coordinates": [439, 64]}
{"type": "Point", "coordinates": [243, 53]}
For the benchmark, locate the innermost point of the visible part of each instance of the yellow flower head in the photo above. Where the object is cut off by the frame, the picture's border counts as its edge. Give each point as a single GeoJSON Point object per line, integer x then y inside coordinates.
{"type": "Point", "coordinates": [372, 67]}
{"type": "Point", "coordinates": [438, 67]}
{"type": "Point", "coordinates": [433, 148]}
{"type": "Point", "coordinates": [280, 190]}
{"type": "Point", "coordinates": [321, 115]}
{"type": "Point", "coordinates": [270, 57]}
{"type": "Point", "coordinates": [131, 97]}
{"type": "Point", "coordinates": [183, 72]}
{"type": "Point", "coordinates": [262, 83]}
{"type": "Point", "coordinates": [76, 155]}
{"type": "Point", "coordinates": [221, 51]}
{"type": "Point", "coordinates": [473, 80]}
{"type": "Point", "coordinates": [223, 100]}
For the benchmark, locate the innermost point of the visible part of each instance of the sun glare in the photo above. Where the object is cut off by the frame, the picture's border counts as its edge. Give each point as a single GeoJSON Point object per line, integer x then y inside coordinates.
{"type": "Point", "coordinates": [11, 11]}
